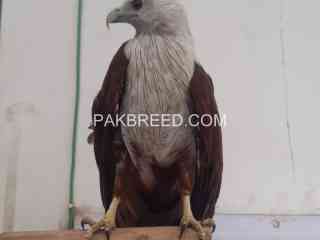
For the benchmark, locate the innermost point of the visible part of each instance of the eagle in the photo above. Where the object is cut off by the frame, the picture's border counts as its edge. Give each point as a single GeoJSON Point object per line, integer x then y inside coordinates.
{"type": "Point", "coordinates": [157, 175]}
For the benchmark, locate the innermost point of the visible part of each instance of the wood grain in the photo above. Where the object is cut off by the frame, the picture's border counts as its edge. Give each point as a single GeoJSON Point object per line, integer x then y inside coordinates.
{"type": "Point", "coordinates": [155, 233]}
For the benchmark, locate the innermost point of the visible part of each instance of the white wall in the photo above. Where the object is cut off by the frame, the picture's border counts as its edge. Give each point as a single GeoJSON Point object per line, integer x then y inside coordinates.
{"type": "Point", "coordinates": [263, 56]}
{"type": "Point", "coordinates": [36, 108]}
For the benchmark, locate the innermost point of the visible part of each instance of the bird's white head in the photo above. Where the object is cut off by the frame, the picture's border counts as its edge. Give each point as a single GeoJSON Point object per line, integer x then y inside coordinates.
{"type": "Point", "coordinates": [152, 16]}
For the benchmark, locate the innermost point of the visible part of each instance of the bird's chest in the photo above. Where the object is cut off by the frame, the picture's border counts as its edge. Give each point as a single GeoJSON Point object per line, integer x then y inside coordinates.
{"type": "Point", "coordinates": [158, 78]}
{"type": "Point", "coordinates": [154, 92]}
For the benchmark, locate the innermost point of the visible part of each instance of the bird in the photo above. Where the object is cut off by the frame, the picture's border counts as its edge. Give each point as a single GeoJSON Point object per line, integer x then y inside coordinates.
{"type": "Point", "coordinates": [157, 175]}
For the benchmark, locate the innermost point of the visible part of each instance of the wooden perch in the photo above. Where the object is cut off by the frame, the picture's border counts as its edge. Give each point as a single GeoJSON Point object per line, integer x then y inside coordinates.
{"type": "Point", "coordinates": [155, 233]}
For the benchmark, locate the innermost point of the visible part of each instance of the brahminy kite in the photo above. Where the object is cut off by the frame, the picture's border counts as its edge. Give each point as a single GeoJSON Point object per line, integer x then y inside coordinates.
{"type": "Point", "coordinates": [157, 175]}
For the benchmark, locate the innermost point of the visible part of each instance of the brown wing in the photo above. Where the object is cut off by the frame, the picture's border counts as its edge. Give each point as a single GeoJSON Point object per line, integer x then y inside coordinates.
{"type": "Point", "coordinates": [208, 176]}
{"type": "Point", "coordinates": [107, 102]}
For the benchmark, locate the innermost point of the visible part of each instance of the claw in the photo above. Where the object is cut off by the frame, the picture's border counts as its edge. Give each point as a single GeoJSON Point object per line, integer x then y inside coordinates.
{"type": "Point", "coordinates": [83, 227]}
{"type": "Point", "coordinates": [95, 228]}
{"type": "Point", "coordinates": [209, 223]}
{"type": "Point", "coordinates": [183, 228]}
{"type": "Point", "coordinates": [108, 223]}
{"type": "Point", "coordinates": [189, 221]}
{"type": "Point", "coordinates": [214, 227]}
{"type": "Point", "coordinates": [87, 221]}
{"type": "Point", "coordinates": [107, 233]}
{"type": "Point", "coordinates": [89, 235]}
{"type": "Point", "coordinates": [103, 225]}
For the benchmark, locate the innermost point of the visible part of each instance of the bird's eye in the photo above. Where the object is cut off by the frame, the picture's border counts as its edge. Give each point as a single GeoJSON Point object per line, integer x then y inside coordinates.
{"type": "Point", "coordinates": [137, 4]}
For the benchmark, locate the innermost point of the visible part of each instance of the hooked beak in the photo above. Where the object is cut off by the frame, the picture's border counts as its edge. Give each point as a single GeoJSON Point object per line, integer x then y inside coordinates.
{"type": "Point", "coordinates": [119, 16]}
{"type": "Point", "coordinates": [113, 17]}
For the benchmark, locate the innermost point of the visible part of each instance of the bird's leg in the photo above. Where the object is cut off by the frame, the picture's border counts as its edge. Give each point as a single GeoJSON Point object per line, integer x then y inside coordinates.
{"type": "Point", "coordinates": [188, 220]}
{"type": "Point", "coordinates": [108, 223]}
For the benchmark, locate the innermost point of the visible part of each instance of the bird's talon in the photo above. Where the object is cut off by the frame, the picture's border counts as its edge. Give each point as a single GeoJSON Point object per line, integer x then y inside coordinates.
{"type": "Point", "coordinates": [108, 229]}
{"type": "Point", "coordinates": [194, 224]}
{"type": "Point", "coordinates": [88, 235]}
{"type": "Point", "coordinates": [83, 227]}
{"type": "Point", "coordinates": [87, 221]}
{"type": "Point", "coordinates": [183, 228]}
{"type": "Point", "coordinates": [105, 225]}
{"type": "Point", "coordinates": [209, 223]}
{"type": "Point", "coordinates": [107, 233]}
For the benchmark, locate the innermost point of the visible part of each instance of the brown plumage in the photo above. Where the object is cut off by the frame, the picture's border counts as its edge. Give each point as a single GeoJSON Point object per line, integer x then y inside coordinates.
{"type": "Point", "coordinates": [157, 175]}
{"type": "Point", "coordinates": [201, 175]}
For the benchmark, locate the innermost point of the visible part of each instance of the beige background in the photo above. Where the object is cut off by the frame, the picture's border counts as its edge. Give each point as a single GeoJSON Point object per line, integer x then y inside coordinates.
{"type": "Point", "coordinates": [262, 54]}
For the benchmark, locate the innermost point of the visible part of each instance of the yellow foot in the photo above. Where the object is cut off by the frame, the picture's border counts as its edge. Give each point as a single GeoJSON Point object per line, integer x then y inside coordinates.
{"type": "Point", "coordinates": [191, 222]}
{"type": "Point", "coordinates": [209, 223]}
{"type": "Point", "coordinates": [107, 225]}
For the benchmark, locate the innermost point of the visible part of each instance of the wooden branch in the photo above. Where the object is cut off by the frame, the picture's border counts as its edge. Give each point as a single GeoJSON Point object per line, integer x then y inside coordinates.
{"type": "Point", "coordinates": [54, 235]}
{"type": "Point", "coordinates": [155, 233]}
